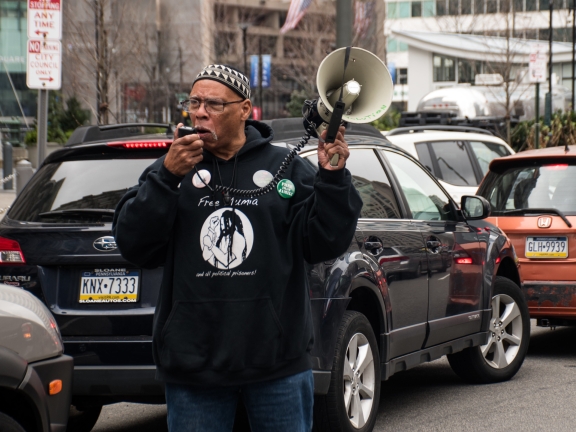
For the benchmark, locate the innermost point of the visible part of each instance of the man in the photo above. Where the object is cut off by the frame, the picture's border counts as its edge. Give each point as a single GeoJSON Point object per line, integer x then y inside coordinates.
{"type": "Point", "coordinates": [233, 315]}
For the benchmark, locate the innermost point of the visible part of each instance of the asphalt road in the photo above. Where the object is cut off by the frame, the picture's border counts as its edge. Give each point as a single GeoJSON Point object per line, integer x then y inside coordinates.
{"type": "Point", "coordinates": [542, 396]}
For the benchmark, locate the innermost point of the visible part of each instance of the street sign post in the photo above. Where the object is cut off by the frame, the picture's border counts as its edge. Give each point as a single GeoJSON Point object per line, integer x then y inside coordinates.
{"type": "Point", "coordinates": [537, 64]}
{"type": "Point", "coordinates": [44, 64]}
{"type": "Point", "coordinates": [45, 19]}
{"type": "Point", "coordinates": [537, 75]}
{"type": "Point", "coordinates": [44, 60]}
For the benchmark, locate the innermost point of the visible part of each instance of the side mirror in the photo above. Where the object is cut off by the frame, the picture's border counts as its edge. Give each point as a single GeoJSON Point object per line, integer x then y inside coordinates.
{"type": "Point", "coordinates": [474, 207]}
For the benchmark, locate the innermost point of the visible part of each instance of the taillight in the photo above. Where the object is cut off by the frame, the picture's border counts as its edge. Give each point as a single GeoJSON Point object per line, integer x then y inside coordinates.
{"type": "Point", "coordinates": [463, 260]}
{"type": "Point", "coordinates": [141, 144]}
{"type": "Point", "coordinates": [555, 167]}
{"type": "Point", "coordinates": [10, 252]}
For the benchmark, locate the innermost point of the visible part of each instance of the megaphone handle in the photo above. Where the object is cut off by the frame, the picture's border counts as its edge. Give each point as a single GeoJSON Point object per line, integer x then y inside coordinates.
{"type": "Point", "coordinates": [333, 127]}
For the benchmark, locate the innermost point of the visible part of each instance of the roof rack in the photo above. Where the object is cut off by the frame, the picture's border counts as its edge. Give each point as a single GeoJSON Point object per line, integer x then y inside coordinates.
{"type": "Point", "coordinates": [414, 129]}
{"type": "Point", "coordinates": [419, 118]}
{"type": "Point", "coordinates": [292, 127]}
{"type": "Point", "coordinates": [105, 132]}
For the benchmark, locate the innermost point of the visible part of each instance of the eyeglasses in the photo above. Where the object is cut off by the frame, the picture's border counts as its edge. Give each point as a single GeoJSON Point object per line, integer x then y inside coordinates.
{"type": "Point", "coordinates": [213, 106]}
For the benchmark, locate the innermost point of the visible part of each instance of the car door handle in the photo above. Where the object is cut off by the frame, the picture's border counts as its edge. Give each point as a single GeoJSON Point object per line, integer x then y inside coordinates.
{"type": "Point", "coordinates": [371, 245]}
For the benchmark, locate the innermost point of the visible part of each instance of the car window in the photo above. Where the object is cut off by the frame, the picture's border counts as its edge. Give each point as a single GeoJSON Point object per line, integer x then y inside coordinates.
{"type": "Point", "coordinates": [544, 186]}
{"type": "Point", "coordinates": [424, 156]}
{"type": "Point", "coordinates": [77, 184]}
{"type": "Point", "coordinates": [371, 182]}
{"type": "Point", "coordinates": [485, 152]}
{"type": "Point", "coordinates": [425, 198]}
{"type": "Point", "coordinates": [454, 163]}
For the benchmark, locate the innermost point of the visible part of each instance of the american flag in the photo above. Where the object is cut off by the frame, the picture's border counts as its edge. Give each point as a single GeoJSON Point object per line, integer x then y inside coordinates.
{"type": "Point", "coordinates": [363, 12]}
{"type": "Point", "coordinates": [295, 13]}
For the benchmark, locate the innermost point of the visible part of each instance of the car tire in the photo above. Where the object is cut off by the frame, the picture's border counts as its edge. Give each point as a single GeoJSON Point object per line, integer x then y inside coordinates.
{"type": "Point", "coordinates": [8, 424]}
{"type": "Point", "coordinates": [509, 334]}
{"type": "Point", "coordinates": [358, 384]}
{"type": "Point", "coordinates": [418, 271]}
{"type": "Point", "coordinates": [83, 419]}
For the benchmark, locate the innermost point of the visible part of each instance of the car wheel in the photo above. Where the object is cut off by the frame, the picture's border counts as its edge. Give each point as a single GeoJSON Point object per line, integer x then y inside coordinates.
{"type": "Point", "coordinates": [418, 271]}
{"type": "Point", "coordinates": [8, 424]}
{"type": "Point", "coordinates": [351, 403]}
{"type": "Point", "coordinates": [501, 356]}
{"type": "Point", "coordinates": [83, 419]}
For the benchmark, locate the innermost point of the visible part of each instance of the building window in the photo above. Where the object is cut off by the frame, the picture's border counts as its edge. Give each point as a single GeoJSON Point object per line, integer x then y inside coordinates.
{"type": "Point", "coordinates": [394, 45]}
{"type": "Point", "coordinates": [478, 6]}
{"type": "Point", "coordinates": [491, 6]}
{"type": "Point", "coordinates": [428, 8]}
{"type": "Point", "coordinates": [466, 8]}
{"type": "Point", "coordinates": [402, 76]}
{"type": "Point", "coordinates": [518, 5]}
{"type": "Point", "coordinates": [444, 68]}
{"type": "Point", "coordinates": [392, 12]}
{"type": "Point", "coordinates": [441, 7]}
{"type": "Point", "coordinates": [416, 9]}
{"type": "Point", "coordinates": [531, 5]}
{"type": "Point", "coordinates": [558, 4]}
{"type": "Point", "coordinates": [453, 8]}
{"type": "Point", "coordinates": [467, 70]}
{"type": "Point", "coordinates": [404, 11]}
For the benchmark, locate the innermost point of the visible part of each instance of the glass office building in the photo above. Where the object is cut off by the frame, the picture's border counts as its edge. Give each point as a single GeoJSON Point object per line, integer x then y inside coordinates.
{"type": "Point", "coordinates": [13, 43]}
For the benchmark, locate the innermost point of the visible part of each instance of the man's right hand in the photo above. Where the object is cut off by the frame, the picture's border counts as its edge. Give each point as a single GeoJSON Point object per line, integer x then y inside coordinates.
{"type": "Point", "coordinates": [184, 153]}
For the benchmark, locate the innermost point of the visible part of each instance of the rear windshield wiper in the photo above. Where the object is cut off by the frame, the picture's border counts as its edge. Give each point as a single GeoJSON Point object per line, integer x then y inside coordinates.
{"type": "Point", "coordinates": [78, 212]}
{"type": "Point", "coordinates": [537, 211]}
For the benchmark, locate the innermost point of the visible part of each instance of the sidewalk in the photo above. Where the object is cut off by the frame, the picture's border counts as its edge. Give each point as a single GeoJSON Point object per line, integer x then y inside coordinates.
{"type": "Point", "coordinates": [6, 199]}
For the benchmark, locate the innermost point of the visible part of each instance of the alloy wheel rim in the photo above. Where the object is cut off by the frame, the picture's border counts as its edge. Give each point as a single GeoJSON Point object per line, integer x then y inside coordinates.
{"type": "Point", "coordinates": [359, 380]}
{"type": "Point", "coordinates": [505, 332]}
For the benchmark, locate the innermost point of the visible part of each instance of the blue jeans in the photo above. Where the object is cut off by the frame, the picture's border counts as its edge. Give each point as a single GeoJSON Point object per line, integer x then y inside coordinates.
{"type": "Point", "coordinates": [282, 405]}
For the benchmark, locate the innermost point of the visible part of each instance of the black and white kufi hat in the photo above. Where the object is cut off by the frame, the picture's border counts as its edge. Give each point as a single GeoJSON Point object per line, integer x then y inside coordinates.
{"type": "Point", "coordinates": [237, 81]}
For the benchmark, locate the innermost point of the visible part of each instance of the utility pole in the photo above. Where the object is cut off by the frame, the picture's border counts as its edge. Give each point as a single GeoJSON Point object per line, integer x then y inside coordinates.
{"type": "Point", "coordinates": [96, 39]}
{"type": "Point", "coordinates": [548, 114]}
{"type": "Point", "coordinates": [244, 28]}
{"type": "Point", "coordinates": [261, 73]}
{"type": "Point", "coordinates": [343, 23]}
{"type": "Point", "coordinates": [573, 47]}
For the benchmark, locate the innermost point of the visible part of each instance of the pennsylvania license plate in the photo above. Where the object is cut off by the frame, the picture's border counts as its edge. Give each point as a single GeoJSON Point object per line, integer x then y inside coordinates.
{"type": "Point", "coordinates": [546, 247]}
{"type": "Point", "coordinates": [116, 285]}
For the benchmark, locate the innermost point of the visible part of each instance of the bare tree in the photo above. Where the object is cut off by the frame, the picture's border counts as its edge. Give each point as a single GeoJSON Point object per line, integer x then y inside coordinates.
{"type": "Point", "coordinates": [129, 58]}
{"type": "Point", "coordinates": [99, 50]}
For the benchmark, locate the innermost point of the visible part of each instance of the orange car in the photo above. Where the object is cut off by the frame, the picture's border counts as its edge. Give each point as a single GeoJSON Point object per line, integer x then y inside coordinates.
{"type": "Point", "coordinates": [533, 200]}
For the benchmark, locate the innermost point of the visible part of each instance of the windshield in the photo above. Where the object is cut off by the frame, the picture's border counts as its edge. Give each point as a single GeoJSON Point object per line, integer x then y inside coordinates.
{"type": "Point", "coordinates": [486, 151]}
{"type": "Point", "coordinates": [59, 191]}
{"type": "Point", "coordinates": [534, 187]}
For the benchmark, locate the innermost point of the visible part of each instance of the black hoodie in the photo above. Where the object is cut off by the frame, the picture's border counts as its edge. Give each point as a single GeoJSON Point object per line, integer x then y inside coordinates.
{"type": "Point", "coordinates": [234, 302]}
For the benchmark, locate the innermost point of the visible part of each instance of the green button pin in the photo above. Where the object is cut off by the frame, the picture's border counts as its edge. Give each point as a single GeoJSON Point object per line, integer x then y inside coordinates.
{"type": "Point", "coordinates": [286, 188]}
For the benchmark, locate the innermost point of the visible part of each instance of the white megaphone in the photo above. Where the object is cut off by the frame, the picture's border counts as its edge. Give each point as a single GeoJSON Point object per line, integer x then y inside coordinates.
{"type": "Point", "coordinates": [354, 86]}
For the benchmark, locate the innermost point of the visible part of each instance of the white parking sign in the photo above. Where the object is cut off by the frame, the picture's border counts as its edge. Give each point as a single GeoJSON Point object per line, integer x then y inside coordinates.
{"type": "Point", "coordinates": [45, 19]}
{"type": "Point", "coordinates": [537, 64]}
{"type": "Point", "coordinates": [43, 70]}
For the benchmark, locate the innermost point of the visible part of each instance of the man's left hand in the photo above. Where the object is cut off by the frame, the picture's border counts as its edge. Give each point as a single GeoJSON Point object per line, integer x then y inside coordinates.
{"type": "Point", "coordinates": [326, 151]}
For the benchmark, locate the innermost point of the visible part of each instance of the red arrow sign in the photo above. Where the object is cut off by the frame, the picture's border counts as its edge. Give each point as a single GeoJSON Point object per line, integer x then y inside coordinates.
{"type": "Point", "coordinates": [47, 79]}
{"type": "Point", "coordinates": [38, 32]}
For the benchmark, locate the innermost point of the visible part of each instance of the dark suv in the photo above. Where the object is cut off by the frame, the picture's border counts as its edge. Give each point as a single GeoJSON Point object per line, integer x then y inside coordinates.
{"type": "Point", "coordinates": [421, 279]}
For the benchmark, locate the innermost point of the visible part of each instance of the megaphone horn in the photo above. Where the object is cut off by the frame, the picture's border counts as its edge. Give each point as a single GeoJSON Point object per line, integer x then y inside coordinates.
{"type": "Point", "coordinates": [351, 80]}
